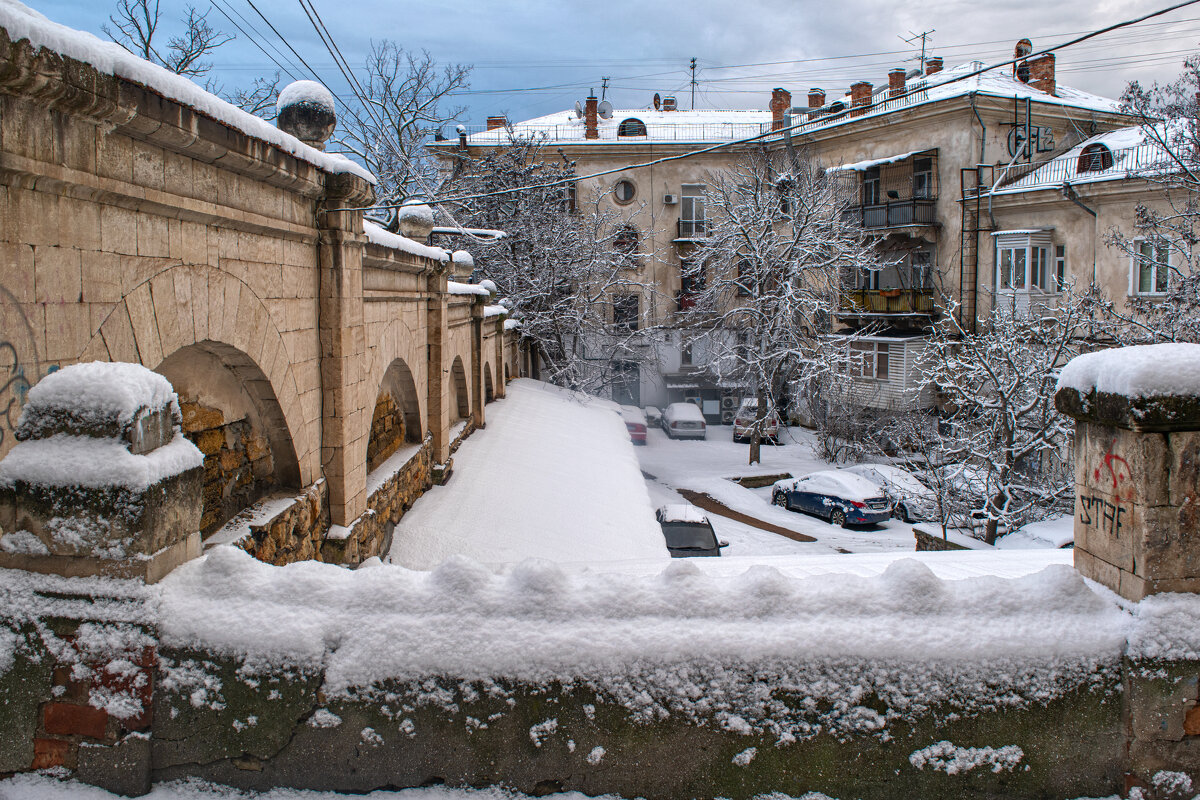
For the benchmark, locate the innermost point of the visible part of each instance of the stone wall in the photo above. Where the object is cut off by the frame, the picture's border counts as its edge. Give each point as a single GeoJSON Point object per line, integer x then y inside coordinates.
{"type": "Point", "coordinates": [295, 533]}
{"type": "Point", "coordinates": [238, 468]}
{"type": "Point", "coordinates": [387, 430]}
{"type": "Point", "coordinates": [928, 541]}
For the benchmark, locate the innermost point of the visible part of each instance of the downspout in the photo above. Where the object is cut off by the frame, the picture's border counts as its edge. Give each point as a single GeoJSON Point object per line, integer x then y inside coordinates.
{"type": "Point", "coordinates": [1068, 191]}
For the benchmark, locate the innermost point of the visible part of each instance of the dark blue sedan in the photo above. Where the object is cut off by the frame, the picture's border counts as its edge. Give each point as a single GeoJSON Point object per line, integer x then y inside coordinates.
{"type": "Point", "coordinates": [843, 498]}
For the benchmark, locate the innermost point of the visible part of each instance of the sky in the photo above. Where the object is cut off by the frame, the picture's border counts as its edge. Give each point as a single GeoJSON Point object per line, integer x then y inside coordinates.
{"type": "Point", "coordinates": [535, 57]}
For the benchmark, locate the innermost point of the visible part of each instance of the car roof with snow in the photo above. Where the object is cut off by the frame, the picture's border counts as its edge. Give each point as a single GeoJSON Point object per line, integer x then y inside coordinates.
{"type": "Point", "coordinates": [681, 512]}
{"type": "Point", "coordinates": [633, 414]}
{"type": "Point", "coordinates": [843, 484]}
{"type": "Point", "coordinates": [684, 411]}
{"type": "Point", "coordinates": [888, 475]}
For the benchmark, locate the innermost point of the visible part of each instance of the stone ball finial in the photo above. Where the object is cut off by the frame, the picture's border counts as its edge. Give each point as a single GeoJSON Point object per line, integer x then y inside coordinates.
{"type": "Point", "coordinates": [416, 221]}
{"type": "Point", "coordinates": [306, 111]}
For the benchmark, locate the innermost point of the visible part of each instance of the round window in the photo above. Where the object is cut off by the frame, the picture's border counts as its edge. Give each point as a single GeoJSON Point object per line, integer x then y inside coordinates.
{"type": "Point", "coordinates": [623, 191]}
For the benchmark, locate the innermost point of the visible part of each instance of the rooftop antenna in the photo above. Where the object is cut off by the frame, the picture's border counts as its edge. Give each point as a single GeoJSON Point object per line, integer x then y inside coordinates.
{"type": "Point", "coordinates": [913, 36]}
{"type": "Point", "coordinates": [693, 68]}
{"type": "Point", "coordinates": [604, 88]}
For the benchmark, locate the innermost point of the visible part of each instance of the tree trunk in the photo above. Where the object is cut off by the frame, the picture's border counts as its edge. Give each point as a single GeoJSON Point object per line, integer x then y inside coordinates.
{"type": "Point", "coordinates": [756, 432]}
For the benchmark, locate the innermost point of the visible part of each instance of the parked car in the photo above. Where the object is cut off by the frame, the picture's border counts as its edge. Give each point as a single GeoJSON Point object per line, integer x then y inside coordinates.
{"type": "Point", "coordinates": [684, 421]}
{"type": "Point", "coordinates": [635, 423]}
{"type": "Point", "coordinates": [653, 415]}
{"type": "Point", "coordinates": [743, 422]}
{"type": "Point", "coordinates": [688, 531]}
{"type": "Point", "coordinates": [841, 497]}
{"type": "Point", "coordinates": [911, 500]}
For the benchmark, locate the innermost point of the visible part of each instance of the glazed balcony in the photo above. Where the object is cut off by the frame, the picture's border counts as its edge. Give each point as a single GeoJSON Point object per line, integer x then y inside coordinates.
{"type": "Point", "coordinates": [886, 302]}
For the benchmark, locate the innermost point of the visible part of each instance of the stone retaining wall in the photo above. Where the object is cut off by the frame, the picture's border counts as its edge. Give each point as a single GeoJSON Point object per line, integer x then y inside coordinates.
{"type": "Point", "coordinates": [238, 468]}
{"type": "Point", "coordinates": [927, 541]}
{"type": "Point", "coordinates": [294, 534]}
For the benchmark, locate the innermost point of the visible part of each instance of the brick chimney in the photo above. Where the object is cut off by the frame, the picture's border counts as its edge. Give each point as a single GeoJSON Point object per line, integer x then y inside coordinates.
{"type": "Point", "coordinates": [498, 121]}
{"type": "Point", "coordinates": [896, 82]}
{"type": "Point", "coordinates": [816, 99]}
{"type": "Point", "coordinates": [781, 103]}
{"type": "Point", "coordinates": [933, 65]}
{"type": "Point", "coordinates": [589, 119]}
{"type": "Point", "coordinates": [860, 95]}
{"type": "Point", "coordinates": [1041, 73]}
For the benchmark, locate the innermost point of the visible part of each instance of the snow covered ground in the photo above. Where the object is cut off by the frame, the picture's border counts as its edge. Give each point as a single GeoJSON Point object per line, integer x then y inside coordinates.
{"type": "Point", "coordinates": [552, 476]}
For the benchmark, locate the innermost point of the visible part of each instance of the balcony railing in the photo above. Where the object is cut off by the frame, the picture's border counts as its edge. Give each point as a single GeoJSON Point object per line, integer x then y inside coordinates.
{"type": "Point", "coordinates": [888, 301]}
{"type": "Point", "coordinates": [688, 229]}
{"type": "Point", "coordinates": [894, 213]}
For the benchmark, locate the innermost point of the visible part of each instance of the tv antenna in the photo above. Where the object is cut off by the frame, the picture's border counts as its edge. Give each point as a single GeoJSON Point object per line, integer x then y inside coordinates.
{"type": "Point", "coordinates": [693, 68]}
{"type": "Point", "coordinates": [604, 88]}
{"type": "Point", "coordinates": [912, 38]}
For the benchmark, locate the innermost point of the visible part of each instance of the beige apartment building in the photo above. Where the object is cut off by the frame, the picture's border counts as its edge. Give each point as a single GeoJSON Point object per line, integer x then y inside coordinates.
{"type": "Point", "coordinates": [922, 151]}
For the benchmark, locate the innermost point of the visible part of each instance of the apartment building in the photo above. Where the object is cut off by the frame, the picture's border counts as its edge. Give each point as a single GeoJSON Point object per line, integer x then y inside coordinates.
{"type": "Point", "coordinates": [922, 151]}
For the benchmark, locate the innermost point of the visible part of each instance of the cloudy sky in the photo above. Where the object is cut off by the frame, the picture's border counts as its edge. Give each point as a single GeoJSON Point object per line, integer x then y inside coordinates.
{"type": "Point", "coordinates": [537, 56]}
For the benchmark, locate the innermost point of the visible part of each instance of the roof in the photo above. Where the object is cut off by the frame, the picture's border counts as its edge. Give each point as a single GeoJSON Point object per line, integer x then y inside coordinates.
{"type": "Point", "coordinates": [699, 125]}
{"type": "Point", "coordinates": [1133, 154]}
{"type": "Point", "coordinates": [681, 512]}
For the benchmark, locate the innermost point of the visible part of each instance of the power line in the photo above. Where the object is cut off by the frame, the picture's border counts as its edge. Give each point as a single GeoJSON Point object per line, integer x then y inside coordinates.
{"type": "Point", "coordinates": [218, 5]}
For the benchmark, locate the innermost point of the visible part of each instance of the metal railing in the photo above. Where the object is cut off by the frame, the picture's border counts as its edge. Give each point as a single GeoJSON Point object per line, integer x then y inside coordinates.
{"type": "Point", "coordinates": [691, 229]}
{"type": "Point", "coordinates": [889, 301]}
{"type": "Point", "coordinates": [575, 131]}
{"type": "Point", "coordinates": [893, 213]}
{"type": "Point", "coordinates": [1126, 161]}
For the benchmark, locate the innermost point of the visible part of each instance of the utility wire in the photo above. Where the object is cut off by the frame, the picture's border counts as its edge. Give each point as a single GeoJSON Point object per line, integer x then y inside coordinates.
{"type": "Point", "coordinates": [311, 71]}
{"type": "Point", "coordinates": [290, 65]}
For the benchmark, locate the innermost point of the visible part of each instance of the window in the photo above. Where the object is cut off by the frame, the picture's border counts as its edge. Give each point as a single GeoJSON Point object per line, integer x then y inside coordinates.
{"type": "Point", "coordinates": [869, 360]}
{"type": "Point", "coordinates": [1094, 158]}
{"type": "Point", "coordinates": [631, 127]}
{"type": "Point", "coordinates": [922, 269]}
{"type": "Point", "coordinates": [868, 279]}
{"type": "Point", "coordinates": [624, 191]}
{"type": "Point", "coordinates": [1012, 267]}
{"type": "Point", "coordinates": [570, 192]}
{"type": "Point", "coordinates": [625, 312]}
{"type": "Point", "coordinates": [923, 178]}
{"type": "Point", "coordinates": [1151, 267]}
{"type": "Point", "coordinates": [870, 187]}
{"type": "Point", "coordinates": [1060, 267]}
{"type": "Point", "coordinates": [786, 187]}
{"type": "Point", "coordinates": [691, 277]}
{"type": "Point", "coordinates": [692, 220]}
{"type": "Point", "coordinates": [625, 242]}
{"type": "Point", "coordinates": [746, 280]}
{"type": "Point", "coordinates": [1023, 261]}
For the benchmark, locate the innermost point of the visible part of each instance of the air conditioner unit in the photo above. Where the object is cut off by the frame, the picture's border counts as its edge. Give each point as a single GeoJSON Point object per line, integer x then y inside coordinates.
{"type": "Point", "coordinates": [726, 417]}
{"type": "Point", "coordinates": [728, 402]}
{"type": "Point", "coordinates": [670, 199]}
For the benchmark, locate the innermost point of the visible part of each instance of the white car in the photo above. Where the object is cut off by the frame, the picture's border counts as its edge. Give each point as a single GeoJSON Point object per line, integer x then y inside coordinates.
{"type": "Point", "coordinates": [747, 414]}
{"type": "Point", "coordinates": [684, 421]}
{"type": "Point", "coordinates": [912, 501]}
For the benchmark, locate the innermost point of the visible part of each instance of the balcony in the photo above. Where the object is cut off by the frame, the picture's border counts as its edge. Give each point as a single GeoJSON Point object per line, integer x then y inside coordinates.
{"type": "Point", "coordinates": [893, 214]}
{"type": "Point", "coordinates": [871, 302]}
{"type": "Point", "coordinates": [691, 230]}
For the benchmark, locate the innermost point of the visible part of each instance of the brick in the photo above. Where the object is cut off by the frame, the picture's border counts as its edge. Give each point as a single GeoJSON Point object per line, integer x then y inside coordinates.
{"type": "Point", "coordinates": [49, 753]}
{"type": "Point", "coordinates": [68, 719]}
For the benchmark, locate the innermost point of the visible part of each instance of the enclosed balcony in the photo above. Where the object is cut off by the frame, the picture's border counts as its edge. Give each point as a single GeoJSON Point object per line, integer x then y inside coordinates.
{"type": "Point", "coordinates": [893, 192]}
{"type": "Point", "coordinates": [902, 293]}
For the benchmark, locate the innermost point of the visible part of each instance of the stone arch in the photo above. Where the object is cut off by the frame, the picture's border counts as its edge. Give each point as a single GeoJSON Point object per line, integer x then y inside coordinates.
{"type": "Point", "coordinates": [186, 305]}
{"type": "Point", "coordinates": [489, 393]}
{"type": "Point", "coordinates": [461, 406]}
{"type": "Point", "coordinates": [231, 413]}
{"type": "Point", "coordinates": [396, 419]}
{"type": "Point", "coordinates": [507, 375]}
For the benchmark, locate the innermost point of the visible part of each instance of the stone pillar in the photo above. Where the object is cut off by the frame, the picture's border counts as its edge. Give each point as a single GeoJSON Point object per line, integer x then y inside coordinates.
{"type": "Point", "coordinates": [501, 386]}
{"type": "Point", "coordinates": [102, 481]}
{"type": "Point", "coordinates": [478, 305]}
{"type": "Point", "coordinates": [1137, 467]}
{"type": "Point", "coordinates": [438, 369]}
{"type": "Point", "coordinates": [345, 413]}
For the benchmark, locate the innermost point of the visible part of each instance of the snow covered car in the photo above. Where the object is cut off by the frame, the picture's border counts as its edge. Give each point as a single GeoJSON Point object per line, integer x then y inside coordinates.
{"type": "Point", "coordinates": [688, 532]}
{"type": "Point", "coordinates": [684, 421]}
{"type": "Point", "coordinates": [841, 497]}
{"type": "Point", "coordinates": [653, 415]}
{"type": "Point", "coordinates": [635, 423]}
{"type": "Point", "coordinates": [912, 501]}
{"type": "Point", "coordinates": [743, 422]}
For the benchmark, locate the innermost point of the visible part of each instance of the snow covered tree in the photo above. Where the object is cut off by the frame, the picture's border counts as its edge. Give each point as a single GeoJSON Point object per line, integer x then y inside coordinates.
{"type": "Point", "coordinates": [1002, 443]}
{"type": "Point", "coordinates": [765, 282]}
{"type": "Point", "coordinates": [565, 264]}
{"type": "Point", "coordinates": [135, 26]}
{"type": "Point", "coordinates": [1165, 231]}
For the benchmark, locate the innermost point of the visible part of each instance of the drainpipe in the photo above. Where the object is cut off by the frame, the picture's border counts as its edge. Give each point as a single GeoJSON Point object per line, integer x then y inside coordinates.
{"type": "Point", "coordinates": [982, 128]}
{"type": "Point", "coordinates": [1068, 191]}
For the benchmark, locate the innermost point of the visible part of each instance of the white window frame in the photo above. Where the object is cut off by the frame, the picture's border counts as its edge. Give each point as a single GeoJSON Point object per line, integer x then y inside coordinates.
{"type": "Point", "coordinates": [692, 201]}
{"type": "Point", "coordinates": [1034, 250]}
{"type": "Point", "coordinates": [862, 359]}
{"type": "Point", "coordinates": [1160, 253]}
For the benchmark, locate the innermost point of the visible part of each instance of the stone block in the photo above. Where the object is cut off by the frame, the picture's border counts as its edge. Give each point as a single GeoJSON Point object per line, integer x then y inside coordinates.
{"type": "Point", "coordinates": [49, 753]}
{"type": "Point", "coordinates": [1168, 543]}
{"type": "Point", "coordinates": [1184, 487]}
{"type": "Point", "coordinates": [122, 768]}
{"type": "Point", "coordinates": [118, 335]}
{"type": "Point", "coordinates": [103, 277]}
{"type": "Point", "coordinates": [1088, 565]}
{"type": "Point", "coordinates": [148, 166]}
{"type": "Point", "coordinates": [16, 267]}
{"type": "Point", "coordinates": [58, 275]}
{"type": "Point", "coordinates": [118, 230]}
{"type": "Point", "coordinates": [152, 238]}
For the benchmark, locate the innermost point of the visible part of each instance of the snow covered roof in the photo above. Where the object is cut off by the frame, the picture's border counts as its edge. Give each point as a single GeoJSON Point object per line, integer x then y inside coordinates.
{"type": "Point", "coordinates": [23, 22]}
{"type": "Point", "coordinates": [699, 125]}
{"type": "Point", "coordinates": [681, 512]}
{"type": "Point", "coordinates": [1130, 153]}
{"type": "Point", "coordinates": [860, 166]}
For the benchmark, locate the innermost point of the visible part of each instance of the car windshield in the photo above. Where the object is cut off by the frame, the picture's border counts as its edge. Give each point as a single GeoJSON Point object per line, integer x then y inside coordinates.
{"type": "Point", "coordinates": [689, 536]}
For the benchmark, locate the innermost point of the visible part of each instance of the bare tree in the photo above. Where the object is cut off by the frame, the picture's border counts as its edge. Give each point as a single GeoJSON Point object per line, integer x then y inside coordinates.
{"type": "Point", "coordinates": [565, 264]}
{"type": "Point", "coordinates": [404, 97]}
{"type": "Point", "coordinates": [766, 280]}
{"type": "Point", "coordinates": [1001, 440]}
{"type": "Point", "coordinates": [259, 99]}
{"type": "Point", "coordinates": [135, 27]}
{"type": "Point", "coordinates": [1162, 243]}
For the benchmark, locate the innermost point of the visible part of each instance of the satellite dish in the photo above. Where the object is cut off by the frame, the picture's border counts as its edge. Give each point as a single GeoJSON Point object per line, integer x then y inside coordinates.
{"type": "Point", "coordinates": [579, 109]}
{"type": "Point", "coordinates": [657, 101]}
{"type": "Point", "coordinates": [605, 109]}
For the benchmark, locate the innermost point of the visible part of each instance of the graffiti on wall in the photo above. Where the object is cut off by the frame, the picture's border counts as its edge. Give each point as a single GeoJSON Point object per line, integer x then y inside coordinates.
{"type": "Point", "coordinates": [19, 368]}
{"type": "Point", "coordinates": [1106, 509]}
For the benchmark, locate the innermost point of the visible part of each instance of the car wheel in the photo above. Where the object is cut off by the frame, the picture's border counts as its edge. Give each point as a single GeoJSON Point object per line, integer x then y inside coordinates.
{"type": "Point", "coordinates": [779, 499]}
{"type": "Point", "coordinates": [837, 517]}
{"type": "Point", "coordinates": [902, 513]}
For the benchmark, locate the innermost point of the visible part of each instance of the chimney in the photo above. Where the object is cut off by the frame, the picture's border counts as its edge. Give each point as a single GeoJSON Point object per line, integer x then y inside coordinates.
{"type": "Point", "coordinates": [589, 119]}
{"type": "Point", "coordinates": [1041, 73]}
{"type": "Point", "coordinates": [816, 99]}
{"type": "Point", "coordinates": [860, 95]}
{"type": "Point", "coordinates": [896, 82]}
{"type": "Point", "coordinates": [498, 121]}
{"type": "Point", "coordinates": [781, 103]}
{"type": "Point", "coordinates": [933, 65]}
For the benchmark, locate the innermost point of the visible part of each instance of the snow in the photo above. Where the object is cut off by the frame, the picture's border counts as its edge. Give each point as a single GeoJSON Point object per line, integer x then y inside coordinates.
{"type": "Point", "coordinates": [681, 512]}
{"type": "Point", "coordinates": [494, 310]}
{"type": "Point", "coordinates": [1053, 532]}
{"type": "Point", "coordinates": [96, 394]}
{"type": "Point", "coordinates": [377, 235]}
{"type": "Point", "coordinates": [520, 489]}
{"type": "Point", "coordinates": [109, 58]}
{"type": "Point", "coordinates": [683, 412]}
{"type": "Point", "coordinates": [64, 460]}
{"type": "Point", "coordinates": [1140, 371]}
{"type": "Point", "coordinates": [456, 287]}
{"type": "Point", "coordinates": [309, 93]}
{"type": "Point", "coordinates": [860, 166]}
{"type": "Point", "coordinates": [464, 258]}
{"type": "Point", "coordinates": [946, 757]}
{"type": "Point", "coordinates": [488, 284]}
{"type": "Point", "coordinates": [683, 126]}
{"type": "Point", "coordinates": [845, 485]}
{"type": "Point", "coordinates": [377, 477]}
{"type": "Point", "coordinates": [258, 513]}
{"type": "Point", "coordinates": [417, 212]}
{"type": "Point", "coordinates": [1133, 153]}
{"type": "Point", "coordinates": [511, 324]}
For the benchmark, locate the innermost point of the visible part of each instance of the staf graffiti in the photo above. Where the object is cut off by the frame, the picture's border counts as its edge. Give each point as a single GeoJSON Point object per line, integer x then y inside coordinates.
{"type": "Point", "coordinates": [1105, 512]}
